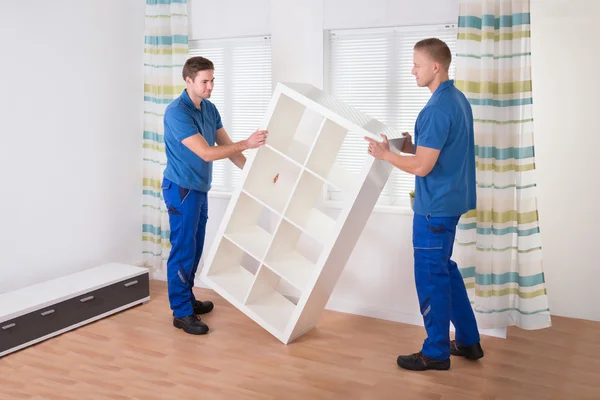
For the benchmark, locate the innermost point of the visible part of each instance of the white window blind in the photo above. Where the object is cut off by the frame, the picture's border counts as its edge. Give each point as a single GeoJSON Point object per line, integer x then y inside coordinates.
{"type": "Point", "coordinates": [241, 93]}
{"type": "Point", "coordinates": [370, 69]}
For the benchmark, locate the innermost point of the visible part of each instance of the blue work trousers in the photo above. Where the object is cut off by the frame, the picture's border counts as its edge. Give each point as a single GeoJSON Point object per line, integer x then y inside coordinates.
{"type": "Point", "coordinates": [440, 287]}
{"type": "Point", "coordinates": [188, 213]}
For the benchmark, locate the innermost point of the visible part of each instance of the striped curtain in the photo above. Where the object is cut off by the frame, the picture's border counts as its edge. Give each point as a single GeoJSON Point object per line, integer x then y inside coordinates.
{"type": "Point", "coordinates": [498, 245]}
{"type": "Point", "coordinates": [165, 52]}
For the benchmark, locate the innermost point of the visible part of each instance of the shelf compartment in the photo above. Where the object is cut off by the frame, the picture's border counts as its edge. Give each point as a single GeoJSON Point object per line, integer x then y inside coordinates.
{"type": "Point", "coordinates": [272, 300]}
{"type": "Point", "coordinates": [324, 160]}
{"type": "Point", "coordinates": [293, 128]}
{"type": "Point", "coordinates": [251, 226]}
{"type": "Point", "coordinates": [233, 270]}
{"type": "Point", "coordinates": [293, 255]}
{"type": "Point", "coordinates": [272, 179]}
{"type": "Point", "coordinates": [304, 210]}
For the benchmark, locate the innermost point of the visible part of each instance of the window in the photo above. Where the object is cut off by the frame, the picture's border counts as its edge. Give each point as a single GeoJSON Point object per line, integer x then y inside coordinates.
{"type": "Point", "coordinates": [242, 92]}
{"type": "Point", "coordinates": [370, 69]}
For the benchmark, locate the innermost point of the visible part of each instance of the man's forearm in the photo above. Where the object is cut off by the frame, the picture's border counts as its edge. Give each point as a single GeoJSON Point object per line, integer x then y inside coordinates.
{"type": "Point", "coordinates": [239, 160]}
{"type": "Point", "coordinates": [409, 164]}
{"type": "Point", "coordinates": [220, 152]}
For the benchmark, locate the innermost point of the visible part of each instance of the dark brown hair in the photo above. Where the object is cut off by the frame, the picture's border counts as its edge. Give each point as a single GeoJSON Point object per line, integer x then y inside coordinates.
{"type": "Point", "coordinates": [437, 50]}
{"type": "Point", "coordinates": [195, 64]}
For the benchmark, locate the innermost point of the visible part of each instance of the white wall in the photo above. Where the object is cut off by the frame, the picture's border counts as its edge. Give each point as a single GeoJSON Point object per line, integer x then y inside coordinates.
{"type": "Point", "coordinates": [228, 18]}
{"type": "Point", "coordinates": [567, 138]}
{"type": "Point", "coordinates": [351, 14]}
{"type": "Point", "coordinates": [71, 109]}
{"type": "Point", "coordinates": [297, 41]}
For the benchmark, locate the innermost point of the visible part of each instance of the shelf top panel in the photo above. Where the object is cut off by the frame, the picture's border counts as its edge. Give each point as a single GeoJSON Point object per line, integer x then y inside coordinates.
{"type": "Point", "coordinates": [337, 111]}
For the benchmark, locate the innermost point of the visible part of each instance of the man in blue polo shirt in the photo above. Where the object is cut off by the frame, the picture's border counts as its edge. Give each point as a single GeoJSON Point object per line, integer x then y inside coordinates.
{"type": "Point", "coordinates": [444, 165]}
{"type": "Point", "coordinates": [192, 127]}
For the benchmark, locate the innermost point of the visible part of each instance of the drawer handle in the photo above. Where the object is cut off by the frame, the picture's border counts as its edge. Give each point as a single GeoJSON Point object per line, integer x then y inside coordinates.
{"type": "Point", "coordinates": [5, 327]}
{"type": "Point", "coordinates": [87, 299]}
{"type": "Point", "coordinates": [131, 283]}
{"type": "Point", "coordinates": [47, 313]}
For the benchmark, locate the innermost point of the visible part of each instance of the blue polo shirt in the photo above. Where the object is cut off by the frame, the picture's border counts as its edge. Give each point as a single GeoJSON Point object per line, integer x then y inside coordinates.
{"type": "Point", "coordinates": [446, 124]}
{"type": "Point", "coordinates": [182, 120]}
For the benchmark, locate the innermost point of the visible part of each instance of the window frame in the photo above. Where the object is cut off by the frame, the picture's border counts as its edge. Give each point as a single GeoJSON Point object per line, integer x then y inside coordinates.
{"type": "Point", "coordinates": [225, 188]}
{"type": "Point", "coordinates": [385, 203]}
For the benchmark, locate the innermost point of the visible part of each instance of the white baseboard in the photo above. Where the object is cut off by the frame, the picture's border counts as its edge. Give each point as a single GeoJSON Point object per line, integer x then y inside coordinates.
{"type": "Point", "coordinates": [158, 275]}
{"type": "Point", "coordinates": [162, 276]}
{"type": "Point", "coordinates": [396, 316]}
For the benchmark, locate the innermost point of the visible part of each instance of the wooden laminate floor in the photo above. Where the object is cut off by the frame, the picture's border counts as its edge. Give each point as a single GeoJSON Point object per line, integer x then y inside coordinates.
{"type": "Point", "coordinates": [137, 354]}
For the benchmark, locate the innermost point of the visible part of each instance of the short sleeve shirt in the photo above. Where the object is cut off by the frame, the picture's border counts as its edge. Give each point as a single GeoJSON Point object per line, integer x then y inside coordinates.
{"type": "Point", "coordinates": [183, 119]}
{"type": "Point", "coordinates": [446, 124]}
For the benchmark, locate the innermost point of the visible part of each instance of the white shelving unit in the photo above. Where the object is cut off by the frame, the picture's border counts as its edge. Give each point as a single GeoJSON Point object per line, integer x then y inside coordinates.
{"type": "Point", "coordinates": [279, 252]}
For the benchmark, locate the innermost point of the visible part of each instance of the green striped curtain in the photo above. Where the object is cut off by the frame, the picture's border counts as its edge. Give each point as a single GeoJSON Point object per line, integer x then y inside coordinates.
{"type": "Point", "coordinates": [165, 52]}
{"type": "Point", "coordinates": [498, 245]}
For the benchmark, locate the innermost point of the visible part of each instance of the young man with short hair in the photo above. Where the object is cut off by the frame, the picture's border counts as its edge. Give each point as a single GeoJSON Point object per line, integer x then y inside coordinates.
{"type": "Point", "coordinates": [192, 127]}
{"type": "Point", "coordinates": [444, 165]}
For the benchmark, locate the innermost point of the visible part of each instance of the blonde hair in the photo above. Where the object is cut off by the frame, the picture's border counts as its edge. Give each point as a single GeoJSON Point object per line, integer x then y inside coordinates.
{"type": "Point", "coordinates": [437, 50]}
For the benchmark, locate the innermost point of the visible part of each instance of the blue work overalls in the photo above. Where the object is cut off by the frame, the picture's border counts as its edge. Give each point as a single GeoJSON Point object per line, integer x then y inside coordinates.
{"type": "Point", "coordinates": [188, 214]}
{"type": "Point", "coordinates": [440, 286]}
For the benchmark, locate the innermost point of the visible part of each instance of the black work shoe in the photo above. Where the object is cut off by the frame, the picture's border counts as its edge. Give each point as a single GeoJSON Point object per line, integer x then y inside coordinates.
{"type": "Point", "coordinates": [191, 324]}
{"type": "Point", "coordinates": [419, 362]}
{"type": "Point", "coordinates": [472, 352]}
{"type": "Point", "coordinates": [203, 307]}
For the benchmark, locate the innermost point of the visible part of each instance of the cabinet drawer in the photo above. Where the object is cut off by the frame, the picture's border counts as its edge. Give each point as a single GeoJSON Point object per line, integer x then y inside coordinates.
{"type": "Point", "coordinates": [30, 327]}
{"type": "Point", "coordinates": [108, 298]}
{"type": "Point", "coordinates": [45, 321]}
